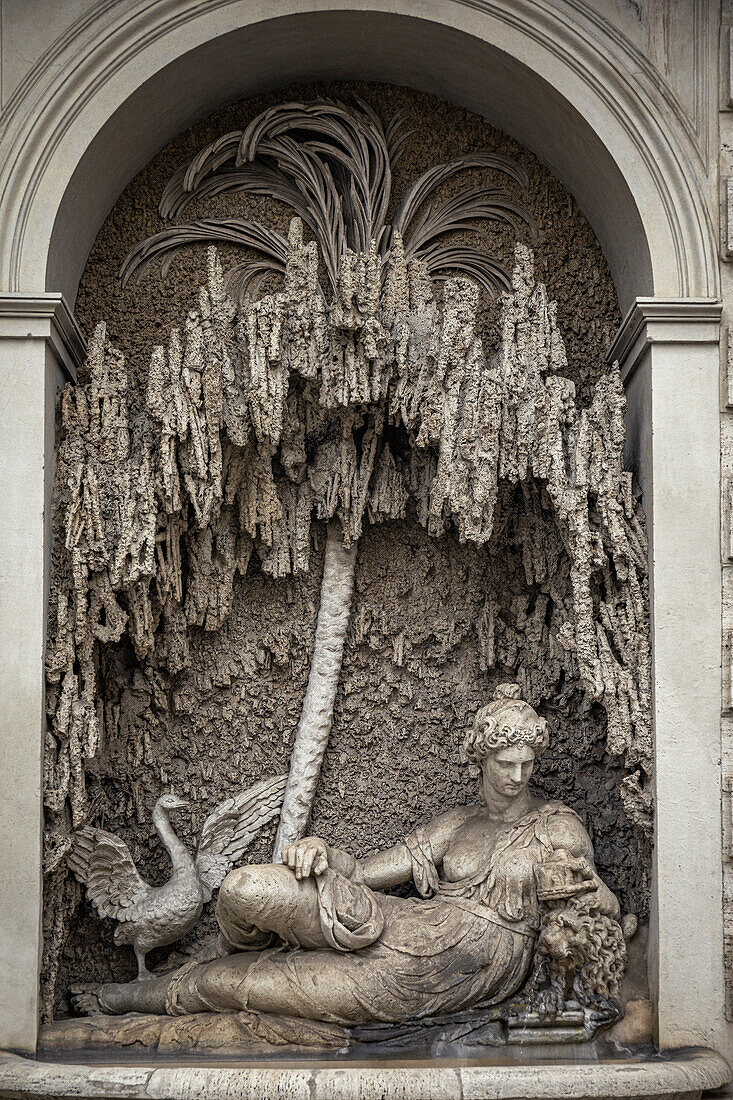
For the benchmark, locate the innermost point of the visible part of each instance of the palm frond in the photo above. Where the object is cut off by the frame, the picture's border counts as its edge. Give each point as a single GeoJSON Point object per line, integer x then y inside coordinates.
{"type": "Point", "coordinates": [332, 165]}
{"type": "Point", "coordinates": [255, 178]}
{"type": "Point", "coordinates": [243, 281]}
{"type": "Point", "coordinates": [423, 187]}
{"type": "Point", "coordinates": [335, 134]}
{"type": "Point", "coordinates": [281, 119]}
{"type": "Point", "coordinates": [211, 158]}
{"type": "Point", "coordinates": [188, 178]}
{"type": "Point", "coordinates": [185, 182]}
{"type": "Point", "coordinates": [174, 195]}
{"type": "Point", "coordinates": [231, 230]}
{"type": "Point", "coordinates": [380, 170]}
{"type": "Point", "coordinates": [312, 176]}
{"type": "Point", "coordinates": [442, 261]}
{"type": "Point", "coordinates": [396, 136]}
{"type": "Point", "coordinates": [480, 203]}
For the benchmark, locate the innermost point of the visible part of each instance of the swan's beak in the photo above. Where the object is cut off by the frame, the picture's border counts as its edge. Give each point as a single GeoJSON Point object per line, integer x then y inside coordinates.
{"type": "Point", "coordinates": [181, 804]}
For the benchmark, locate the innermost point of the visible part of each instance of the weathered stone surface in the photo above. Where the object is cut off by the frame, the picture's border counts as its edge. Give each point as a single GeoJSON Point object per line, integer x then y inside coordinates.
{"type": "Point", "coordinates": [511, 915]}
{"type": "Point", "coordinates": [680, 1076]}
{"type": "Point", "coordinates": [230, 1033]}
{"type": "Point", "coordinates": [195, 392]}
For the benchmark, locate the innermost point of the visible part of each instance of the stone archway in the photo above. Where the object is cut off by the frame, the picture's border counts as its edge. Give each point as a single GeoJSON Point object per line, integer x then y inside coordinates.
{"type": "Point", "coordinates": [126, 77]}
{"type": "Point", "coordinates": [117, 87]}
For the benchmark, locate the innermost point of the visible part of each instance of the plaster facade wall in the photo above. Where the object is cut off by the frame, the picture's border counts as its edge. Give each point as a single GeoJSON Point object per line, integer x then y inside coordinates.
{"type": "Point", "coordinates": [726, 435]}
{"type": "Point", "coordinates": [628, 102]}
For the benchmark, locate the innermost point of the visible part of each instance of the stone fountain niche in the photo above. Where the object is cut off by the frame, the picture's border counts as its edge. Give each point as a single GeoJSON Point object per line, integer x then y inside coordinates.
{"type": "Point", "coordinates": [427, 447]}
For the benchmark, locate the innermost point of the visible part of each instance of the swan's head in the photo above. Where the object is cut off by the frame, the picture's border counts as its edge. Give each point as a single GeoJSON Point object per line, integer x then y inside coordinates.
{"type": "Point", "coordinates": [170, 802]}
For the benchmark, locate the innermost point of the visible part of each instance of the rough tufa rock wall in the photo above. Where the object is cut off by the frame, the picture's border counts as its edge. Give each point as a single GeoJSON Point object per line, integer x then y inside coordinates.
{"type": "Point", "coordinates": [185, 488]}
{"type": "Point", "coordinates": [254, 426]}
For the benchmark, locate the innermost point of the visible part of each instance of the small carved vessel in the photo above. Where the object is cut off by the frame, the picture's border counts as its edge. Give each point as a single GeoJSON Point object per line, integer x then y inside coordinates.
{"type": "Point", "coordinates": [153, 916]}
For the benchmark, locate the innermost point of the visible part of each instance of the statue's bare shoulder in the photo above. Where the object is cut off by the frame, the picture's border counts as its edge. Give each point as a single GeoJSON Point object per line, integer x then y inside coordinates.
{"type": "Point", "coordinates": [441, 830]}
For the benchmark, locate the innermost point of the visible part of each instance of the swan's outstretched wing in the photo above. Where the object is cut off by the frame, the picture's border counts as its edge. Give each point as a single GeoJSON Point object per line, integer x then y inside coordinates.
{"type": "Point", "coordinates": [104, 864]}
{"type": "Point", "coordinates": [233, 825]}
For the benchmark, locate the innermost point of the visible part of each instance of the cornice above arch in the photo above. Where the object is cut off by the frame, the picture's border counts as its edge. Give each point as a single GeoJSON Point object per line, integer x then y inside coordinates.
{"type": "Point", "coordinates": [130, 74]}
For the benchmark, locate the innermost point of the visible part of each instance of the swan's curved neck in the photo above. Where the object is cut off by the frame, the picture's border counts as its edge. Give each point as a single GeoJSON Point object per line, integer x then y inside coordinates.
{"type": "Point", "coordinates": [176, 849]}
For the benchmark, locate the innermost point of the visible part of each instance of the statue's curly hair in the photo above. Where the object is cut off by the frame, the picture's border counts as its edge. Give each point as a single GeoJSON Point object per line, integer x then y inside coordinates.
{"type": "Point", "coordinates": [506, 720]}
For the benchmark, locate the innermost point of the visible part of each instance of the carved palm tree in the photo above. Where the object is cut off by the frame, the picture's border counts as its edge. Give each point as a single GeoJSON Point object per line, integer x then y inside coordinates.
{"type": "Point", "coordinates": [361, 296]}
{"type": "Point", "coordinates": [333, 166]}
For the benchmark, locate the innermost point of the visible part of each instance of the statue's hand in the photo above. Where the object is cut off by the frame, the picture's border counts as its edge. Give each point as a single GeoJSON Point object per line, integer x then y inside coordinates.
{"type": "Point", "coordinates": [585, 869]}
{"type": "Point", "coordinates": [306, 857]}
{"type": "Point", "coordinates": [589, 879]}
{"type": "Point", "coordinates": [597, 897]}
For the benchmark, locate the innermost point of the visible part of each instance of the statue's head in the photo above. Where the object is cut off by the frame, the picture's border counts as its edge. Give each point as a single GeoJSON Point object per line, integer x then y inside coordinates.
{"type": "Point", "coordinates": [504, 740]}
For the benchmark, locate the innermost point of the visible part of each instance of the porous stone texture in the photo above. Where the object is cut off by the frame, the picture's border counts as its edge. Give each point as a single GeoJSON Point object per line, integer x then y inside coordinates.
{"type": "Point", "coordinates": [568, 257]}
{"type": "Point", "coordinates": [217, 704]}
{"type": "Point", "coordinates": [683, 1076]}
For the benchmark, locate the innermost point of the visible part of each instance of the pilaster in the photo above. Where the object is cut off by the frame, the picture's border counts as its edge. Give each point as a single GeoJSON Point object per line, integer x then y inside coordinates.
{"type": "Point", "coordinates": [668, 352]}
{"type": "Point", "coordinates": [40, 347]}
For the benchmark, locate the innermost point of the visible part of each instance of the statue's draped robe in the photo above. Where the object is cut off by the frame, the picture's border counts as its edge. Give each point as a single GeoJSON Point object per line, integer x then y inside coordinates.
{"type": "Point", "coordinates": [459, 944]}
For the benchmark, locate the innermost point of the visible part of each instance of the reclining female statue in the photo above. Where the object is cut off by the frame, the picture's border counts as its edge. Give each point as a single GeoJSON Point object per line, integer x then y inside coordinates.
{"type": "Point", "coordinates": [317, 938]}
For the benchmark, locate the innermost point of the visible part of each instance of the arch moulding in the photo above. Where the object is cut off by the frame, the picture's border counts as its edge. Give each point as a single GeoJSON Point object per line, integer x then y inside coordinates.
{"type": "Point", "coordinates": [127, 76]}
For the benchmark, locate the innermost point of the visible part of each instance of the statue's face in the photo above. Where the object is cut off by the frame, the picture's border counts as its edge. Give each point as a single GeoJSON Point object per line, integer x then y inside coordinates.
{"type": "Point", "coordinates": [506, 772]}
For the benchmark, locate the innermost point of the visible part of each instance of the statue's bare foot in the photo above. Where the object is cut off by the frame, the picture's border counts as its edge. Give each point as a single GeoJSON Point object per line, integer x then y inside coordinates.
{"type": "Point", "coordinates": [114, 998]}
{"type": "Point", "coordinates": [85, 1001]}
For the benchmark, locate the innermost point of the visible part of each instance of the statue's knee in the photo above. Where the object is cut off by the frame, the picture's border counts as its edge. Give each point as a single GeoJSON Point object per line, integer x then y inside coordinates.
{"type": "Point", "coordinates": [247, 891]}
{"type": "Point", "coordinates": [239, 889]}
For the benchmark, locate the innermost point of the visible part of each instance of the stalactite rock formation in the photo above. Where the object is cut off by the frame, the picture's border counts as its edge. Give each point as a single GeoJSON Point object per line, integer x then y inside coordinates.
{"type": "Point", "coordinates": [351, 410]}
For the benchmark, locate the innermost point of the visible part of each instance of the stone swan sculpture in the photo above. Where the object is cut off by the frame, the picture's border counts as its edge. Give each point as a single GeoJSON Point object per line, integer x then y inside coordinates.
{"type": "Point", "coordinates": [153, 916]}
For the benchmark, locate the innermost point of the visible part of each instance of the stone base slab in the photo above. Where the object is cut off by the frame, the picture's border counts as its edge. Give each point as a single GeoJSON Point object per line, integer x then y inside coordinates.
{"type": "Point", "coordinates": [678, 1075]}
{"type": "Point", "coordinates": [468, 1034]}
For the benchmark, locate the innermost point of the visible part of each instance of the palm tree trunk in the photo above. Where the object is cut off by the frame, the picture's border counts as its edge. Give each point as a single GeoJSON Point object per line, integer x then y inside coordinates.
{"type": "Point", "coordinates": [316, 717]}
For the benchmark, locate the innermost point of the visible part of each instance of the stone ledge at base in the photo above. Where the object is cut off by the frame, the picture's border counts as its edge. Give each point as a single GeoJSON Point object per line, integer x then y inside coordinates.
{"type": "Point", "coordinates": [680, 1075]}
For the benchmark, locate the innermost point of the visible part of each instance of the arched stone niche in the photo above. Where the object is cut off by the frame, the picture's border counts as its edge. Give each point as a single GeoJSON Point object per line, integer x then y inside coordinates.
{"type": "Point", "coordinates": [128, 77]}
{"type": "Point", "coordinates": [419, 658]}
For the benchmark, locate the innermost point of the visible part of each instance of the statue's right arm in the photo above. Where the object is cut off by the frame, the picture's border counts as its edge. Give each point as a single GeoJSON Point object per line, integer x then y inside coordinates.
{"type": "Point", "coordinates": [394, 866]}
{"type": "Point", "coordinates": [312, 855]}
{"type": "Point", "coordinates": [383, 869]}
